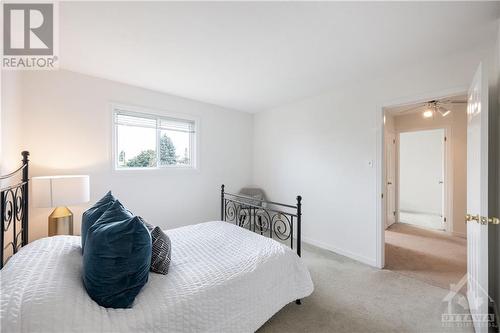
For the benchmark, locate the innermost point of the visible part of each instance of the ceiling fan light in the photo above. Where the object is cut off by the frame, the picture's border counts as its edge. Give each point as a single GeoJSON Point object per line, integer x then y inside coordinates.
{"type": "Point", "coordinates": [428, 113]}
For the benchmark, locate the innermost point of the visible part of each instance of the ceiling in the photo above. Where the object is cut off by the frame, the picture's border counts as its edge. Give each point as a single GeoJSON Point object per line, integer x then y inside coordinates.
{"type": "Point", "coordinates": [252, 56]}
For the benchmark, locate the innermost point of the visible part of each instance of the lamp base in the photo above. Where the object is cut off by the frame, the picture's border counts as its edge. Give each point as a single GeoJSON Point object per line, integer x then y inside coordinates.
{"type": "Point", "coordinates": [61, 222]}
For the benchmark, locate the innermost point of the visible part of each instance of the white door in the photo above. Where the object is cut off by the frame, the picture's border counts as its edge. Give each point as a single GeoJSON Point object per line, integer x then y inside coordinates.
{"type": "Point", "coordinates": [421, 178]}
{"type": "Point", "coordinates": [390, 163]}
{"type": "Point", "coordinates": [477, 199]}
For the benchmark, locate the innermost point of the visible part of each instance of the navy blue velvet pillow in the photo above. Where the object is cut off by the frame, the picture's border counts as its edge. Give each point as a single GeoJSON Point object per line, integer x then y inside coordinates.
{"type": "Point", "coordinates": [91, 215]}
{"type": "Point", "coordinates": [117, 258]}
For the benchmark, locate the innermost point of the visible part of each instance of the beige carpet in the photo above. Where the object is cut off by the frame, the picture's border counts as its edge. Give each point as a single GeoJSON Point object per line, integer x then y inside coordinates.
{"type": "Point", "coordinates": [431, 256]}
{"type": "Point", "coordinates": [352, 297]}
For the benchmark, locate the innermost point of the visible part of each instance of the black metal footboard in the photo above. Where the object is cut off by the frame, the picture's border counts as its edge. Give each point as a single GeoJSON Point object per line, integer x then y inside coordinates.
{"type": "Point", "coordinates": [271, 219]}
{"type": "Point", "coordinates": [14, 210]}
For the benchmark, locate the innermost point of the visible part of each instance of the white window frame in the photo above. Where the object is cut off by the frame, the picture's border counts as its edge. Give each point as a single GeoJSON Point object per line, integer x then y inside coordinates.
{"type": "Point", "coordinates": [158, 114]}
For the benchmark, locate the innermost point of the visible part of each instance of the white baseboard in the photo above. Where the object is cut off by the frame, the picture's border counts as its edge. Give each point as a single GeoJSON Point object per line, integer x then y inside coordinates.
{"type": "Point", "coordinates": [357, 257]}
{"type": "Point", "coordinates": [459, 234]}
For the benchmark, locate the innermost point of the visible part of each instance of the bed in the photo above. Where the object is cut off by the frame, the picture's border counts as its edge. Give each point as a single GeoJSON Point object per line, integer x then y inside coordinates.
{"type": "Point", "coordinates": [224, 276]}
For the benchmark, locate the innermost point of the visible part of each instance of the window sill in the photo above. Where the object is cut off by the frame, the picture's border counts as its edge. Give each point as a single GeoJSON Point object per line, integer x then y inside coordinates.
{"type": "Point", "coordinates": [155, 170]}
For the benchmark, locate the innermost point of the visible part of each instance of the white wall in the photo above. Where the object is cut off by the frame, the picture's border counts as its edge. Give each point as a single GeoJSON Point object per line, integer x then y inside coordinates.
{"type": "Point", "coordinates": [456, 124]}
{"type": "Point", "coordinates": [67, 129]}
{"type": "Point", "coordinates": [421, 168]}
{"type": "Point", "coordinates": [321, 147]}
{"type": "Point", "coordinates": [10, 138]}
{"type": "Point", "coordinates": [10, 122]}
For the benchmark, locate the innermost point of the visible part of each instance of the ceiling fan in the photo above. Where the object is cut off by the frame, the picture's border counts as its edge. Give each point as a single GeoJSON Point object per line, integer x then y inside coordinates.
{"type": "Point", "coordinates": [430, 108]}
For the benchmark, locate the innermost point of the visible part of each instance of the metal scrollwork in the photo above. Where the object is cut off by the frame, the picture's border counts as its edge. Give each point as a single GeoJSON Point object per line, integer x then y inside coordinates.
{"type": "Point", "coordinates": [18, 203]}
{"type": "Point", "coordinates": [11, 245]}
{"type": "Point", "coordinates": [269, 218]}
{"type": "Point", "coordinates": [231, 211]}
{"type": "Point", "coordinates": [278, 224]}
{"type": "Point", "coordinates": [262, 220]}
{"type": "Point", "coordinates": [13, 210]}
{"type": "Point", "coordinates": [235, 212]}
{"type": "Point", "coordinates": [244, 216]}
{"type": "Point", "coordinates": [18, 243]}
{"type": "Point", "coordinates": [9, 204]}
{"type": "Point", "coordinates": [13, 203]}
{"type": "Point", "coordinates": [282, 226]}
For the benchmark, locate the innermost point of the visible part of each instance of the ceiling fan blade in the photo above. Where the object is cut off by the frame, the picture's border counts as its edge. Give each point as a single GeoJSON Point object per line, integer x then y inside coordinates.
{"type": "Point", "coordinates": [452, 102]}
{"type": "Point", "coordinates": [443, 111]}
{"type": "Point", "coordinates": [412, 109]}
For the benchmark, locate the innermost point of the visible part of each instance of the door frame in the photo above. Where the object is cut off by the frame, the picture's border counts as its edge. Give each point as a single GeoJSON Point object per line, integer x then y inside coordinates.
{"type": "Point", "coordinates": [380, 163]}
{"type": "Point", "coordinates": [447, 170]}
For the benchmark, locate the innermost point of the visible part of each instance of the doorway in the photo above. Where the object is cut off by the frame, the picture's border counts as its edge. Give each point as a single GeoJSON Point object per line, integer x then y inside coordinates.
{"type": "Point", "coordinates": [421, 178]}
{"type": "Point", "coordinates": [472, 179]}
{"type": "Point", "coordinates": [424, 176]}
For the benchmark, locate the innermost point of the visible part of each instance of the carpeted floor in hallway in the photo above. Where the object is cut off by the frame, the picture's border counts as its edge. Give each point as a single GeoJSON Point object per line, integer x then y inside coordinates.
{"type": "Point", "coordinates": [431, 256]}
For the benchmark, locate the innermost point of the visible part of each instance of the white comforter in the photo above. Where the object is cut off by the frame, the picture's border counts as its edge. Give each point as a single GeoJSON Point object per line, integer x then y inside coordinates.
{"type": "Point", "coordinates": [222, 278]}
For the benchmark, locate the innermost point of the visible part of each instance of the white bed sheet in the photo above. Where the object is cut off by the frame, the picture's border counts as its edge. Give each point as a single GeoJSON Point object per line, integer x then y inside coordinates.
{"type": "Point", "coordinates": [222, 278]}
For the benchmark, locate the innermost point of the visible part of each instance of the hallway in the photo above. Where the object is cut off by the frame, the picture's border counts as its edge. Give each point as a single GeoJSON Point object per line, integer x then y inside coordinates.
{"type": "Point", "coordinates": [430, 256]}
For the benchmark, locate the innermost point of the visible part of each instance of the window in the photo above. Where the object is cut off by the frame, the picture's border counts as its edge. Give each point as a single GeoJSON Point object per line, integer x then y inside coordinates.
{"type": "Point", "coordinates": [151, 141]}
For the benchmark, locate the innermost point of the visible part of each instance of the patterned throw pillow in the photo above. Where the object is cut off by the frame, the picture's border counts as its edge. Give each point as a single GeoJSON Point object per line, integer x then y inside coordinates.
{"type": "Point", "coordinates": [160, 251]}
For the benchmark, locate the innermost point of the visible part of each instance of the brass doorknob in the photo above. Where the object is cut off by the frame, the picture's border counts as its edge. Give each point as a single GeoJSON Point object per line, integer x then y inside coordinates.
{"type": "Point", "coordinates": [469, 218]}
{"type": "Point", "coordinates": [482, 219]}
{"type": "Point", "coordinates": [494, 220]}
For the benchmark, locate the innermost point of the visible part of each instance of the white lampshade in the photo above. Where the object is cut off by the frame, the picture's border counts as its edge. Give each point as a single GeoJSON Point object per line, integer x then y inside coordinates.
{"type": "Point", "coordinates": [56, 191]}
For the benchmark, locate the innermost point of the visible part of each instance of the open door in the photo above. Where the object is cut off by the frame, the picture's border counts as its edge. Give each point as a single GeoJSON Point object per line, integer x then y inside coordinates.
{"type": "Point", "coordinates": [390, 164]}
{"type": "Point", "coordinates": [477, 201]}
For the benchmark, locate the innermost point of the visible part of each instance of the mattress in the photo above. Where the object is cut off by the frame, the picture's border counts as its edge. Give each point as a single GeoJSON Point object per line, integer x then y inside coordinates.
{"type": "Point", "coordinates": [222, 278]}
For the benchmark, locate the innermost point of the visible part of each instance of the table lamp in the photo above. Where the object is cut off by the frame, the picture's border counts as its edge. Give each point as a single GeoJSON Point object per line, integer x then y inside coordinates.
{"type": "Point", "coordinates": [60, 192]}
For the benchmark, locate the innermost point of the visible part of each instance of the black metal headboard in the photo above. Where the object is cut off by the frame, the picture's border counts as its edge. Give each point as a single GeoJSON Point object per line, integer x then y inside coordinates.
{"type": "Point", "coordinates": [14, 210]}
{"type": "Point", "coordinates": [271, 219]}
